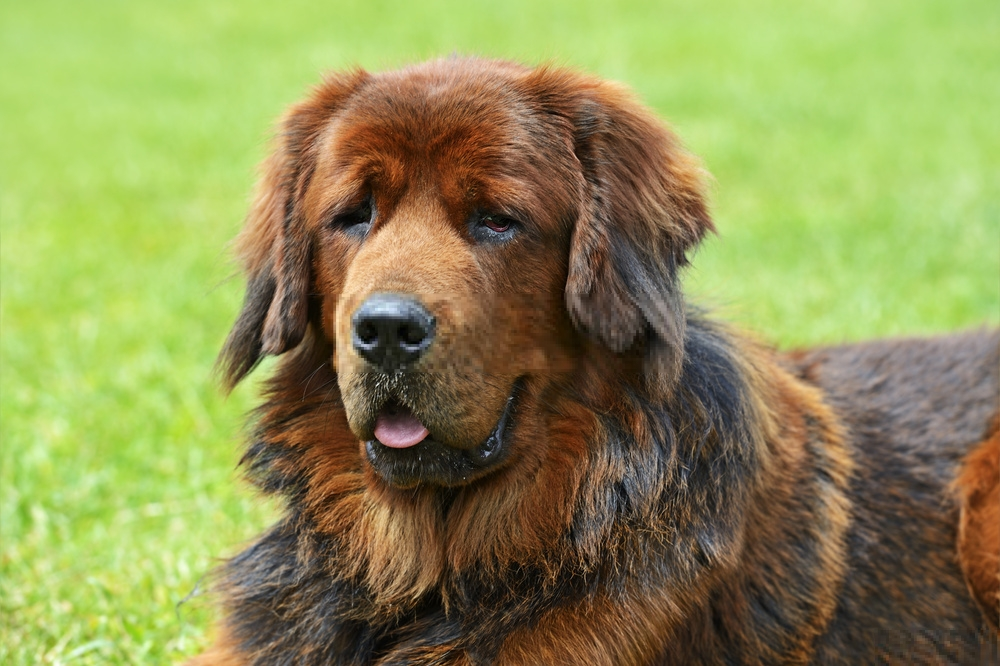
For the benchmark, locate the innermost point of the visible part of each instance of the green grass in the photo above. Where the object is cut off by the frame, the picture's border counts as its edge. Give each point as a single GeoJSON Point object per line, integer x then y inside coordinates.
{"type": "Point", "coordinates": [856, 156]}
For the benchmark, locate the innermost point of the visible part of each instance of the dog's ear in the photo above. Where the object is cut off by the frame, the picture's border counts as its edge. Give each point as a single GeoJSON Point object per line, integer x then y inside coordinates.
{"type": "Point", "coordinates": [643, 208]}
{"type": "Point", "coordinates": [274, 246]}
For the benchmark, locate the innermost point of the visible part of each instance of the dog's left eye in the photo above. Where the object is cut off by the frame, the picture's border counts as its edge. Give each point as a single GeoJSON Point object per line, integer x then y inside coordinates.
{"type": "Point", "coordinates": [493, 227]}
{"type": "Point", "coordinates": [497, 224]}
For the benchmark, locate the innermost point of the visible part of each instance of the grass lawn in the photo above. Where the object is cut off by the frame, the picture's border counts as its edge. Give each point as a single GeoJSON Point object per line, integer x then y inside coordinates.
{"type": "Point", "coordinates": [856, 156]}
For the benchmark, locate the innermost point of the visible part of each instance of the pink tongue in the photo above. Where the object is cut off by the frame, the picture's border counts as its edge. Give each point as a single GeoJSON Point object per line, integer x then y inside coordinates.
{"type": "Point", "coordinates": [399, 429]}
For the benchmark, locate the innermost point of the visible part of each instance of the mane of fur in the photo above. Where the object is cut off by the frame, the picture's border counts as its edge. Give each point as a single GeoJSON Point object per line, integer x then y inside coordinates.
{"type": "Point", "coordinates": [662, 500]}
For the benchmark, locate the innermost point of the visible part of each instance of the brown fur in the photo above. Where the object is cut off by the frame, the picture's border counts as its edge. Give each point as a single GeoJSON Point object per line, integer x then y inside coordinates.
{"type": "Point", "coordinates": [979, 528]}
{"type": "Point", "coordinates": [670, 493]}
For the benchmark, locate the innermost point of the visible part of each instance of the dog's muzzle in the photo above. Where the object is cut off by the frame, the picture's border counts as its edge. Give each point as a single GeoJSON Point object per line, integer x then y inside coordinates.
{"type": "Point", "coordinates": [431, 462]}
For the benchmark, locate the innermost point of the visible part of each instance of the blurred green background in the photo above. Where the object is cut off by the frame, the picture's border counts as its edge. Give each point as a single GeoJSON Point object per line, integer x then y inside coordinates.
{"type": "Point", "coordinates": [856, 154]}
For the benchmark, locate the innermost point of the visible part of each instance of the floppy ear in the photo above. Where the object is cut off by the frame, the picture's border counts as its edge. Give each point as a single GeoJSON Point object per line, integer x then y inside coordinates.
{"type": "Point", "coordinates": [643, 209]}
{"type": "Point", "coordinates": [274, 246]}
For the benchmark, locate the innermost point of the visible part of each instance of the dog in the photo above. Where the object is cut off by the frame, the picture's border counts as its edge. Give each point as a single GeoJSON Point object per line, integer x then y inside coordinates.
{"type": "Point", "coordinates": [502, 436]}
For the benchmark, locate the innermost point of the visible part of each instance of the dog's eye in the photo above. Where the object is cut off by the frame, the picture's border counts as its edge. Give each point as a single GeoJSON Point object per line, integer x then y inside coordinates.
{"type": "Point", "coordinates": [357, 220]}
{"type": "Point", "coordinates": [492, 227]}
{"type": "Point", "coordinates": [497, 224]}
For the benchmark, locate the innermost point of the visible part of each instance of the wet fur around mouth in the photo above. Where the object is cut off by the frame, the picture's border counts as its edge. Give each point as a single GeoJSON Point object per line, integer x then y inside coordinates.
{"type": "Point", "coordinates": [431, 462]}
{"type": "Point", "coordinates": [437, 403]}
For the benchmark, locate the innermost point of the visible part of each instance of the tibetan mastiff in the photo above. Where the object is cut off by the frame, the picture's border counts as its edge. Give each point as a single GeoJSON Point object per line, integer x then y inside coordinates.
{"type": "Point", "coordinates": [502, 436]}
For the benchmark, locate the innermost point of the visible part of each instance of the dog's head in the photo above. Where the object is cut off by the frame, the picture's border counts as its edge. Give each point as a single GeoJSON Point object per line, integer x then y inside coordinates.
{"type": "Point", "coordinates": [465, 234]}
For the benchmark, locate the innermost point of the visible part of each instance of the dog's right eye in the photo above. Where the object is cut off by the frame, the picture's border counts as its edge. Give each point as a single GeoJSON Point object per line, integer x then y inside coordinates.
{"type": "Point", "coordinates": [356, 221]}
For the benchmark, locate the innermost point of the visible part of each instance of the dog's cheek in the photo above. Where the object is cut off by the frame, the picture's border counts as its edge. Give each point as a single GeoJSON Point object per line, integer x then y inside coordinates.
{"type": "Point", "coordinates": [346, 361]}
{"type": "Point", "coordinates": [537, 335]}
{"type": "Point", "coordinates": [328, 315]}
{"type": "Point", "coordinates": [463, 339]}
{"type": "Point", "coordinates": [329, 268]}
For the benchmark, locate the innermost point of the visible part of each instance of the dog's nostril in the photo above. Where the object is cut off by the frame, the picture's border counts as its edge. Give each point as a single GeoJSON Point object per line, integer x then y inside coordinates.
{"type": "Point", "coordinates": [412, 335]}
{"type": "Point", "coordinates": [368, 333]}
{"type": "Point", "coordinates": [392, 331]}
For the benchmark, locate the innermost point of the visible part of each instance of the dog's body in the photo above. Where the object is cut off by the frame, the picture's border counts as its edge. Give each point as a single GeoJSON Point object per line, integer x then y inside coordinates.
{"type": "Point", "coordinates": [911, 410]}
{"type": "Point", "coordinates": [503, 437]}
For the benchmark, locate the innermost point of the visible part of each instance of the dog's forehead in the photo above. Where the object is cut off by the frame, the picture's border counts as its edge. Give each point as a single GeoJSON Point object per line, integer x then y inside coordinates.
{"type": "Point", "coordinates": [465, 117]}
{"type": "Point", "coordinates": [463, 91]}
{"type": "Point", "coordinates": [470, 132]}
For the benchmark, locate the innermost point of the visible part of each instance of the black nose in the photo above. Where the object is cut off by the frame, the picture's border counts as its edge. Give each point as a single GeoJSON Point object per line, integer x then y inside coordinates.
{"type": "Point", "coordinates": [392, 331]}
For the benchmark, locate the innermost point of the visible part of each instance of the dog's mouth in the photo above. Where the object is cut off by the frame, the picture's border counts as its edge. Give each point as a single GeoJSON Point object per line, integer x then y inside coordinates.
{"type": "Point", "coordinates": [405, 454]}
{"type": "Point", "coordinates": [398, 428]}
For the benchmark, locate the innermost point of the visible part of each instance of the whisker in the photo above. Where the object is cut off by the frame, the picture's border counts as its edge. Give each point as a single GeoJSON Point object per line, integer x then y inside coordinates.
{"type": "Point", "coordinates": [305, 390]}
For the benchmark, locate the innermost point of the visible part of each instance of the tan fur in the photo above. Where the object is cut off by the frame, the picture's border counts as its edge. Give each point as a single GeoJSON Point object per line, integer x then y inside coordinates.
{"type": "Point", "coordinates": [978, 487]}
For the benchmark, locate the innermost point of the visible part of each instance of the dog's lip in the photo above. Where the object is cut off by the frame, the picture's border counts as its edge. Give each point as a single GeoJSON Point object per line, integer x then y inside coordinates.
{"type": "Point", "coordinates": [431, 461]}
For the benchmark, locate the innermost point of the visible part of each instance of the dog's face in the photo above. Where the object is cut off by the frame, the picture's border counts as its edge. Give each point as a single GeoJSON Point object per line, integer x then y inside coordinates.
{"type": "Point", "coordinates": [441, 264]}
{"type": "Point", "coordinates": [464, 235]}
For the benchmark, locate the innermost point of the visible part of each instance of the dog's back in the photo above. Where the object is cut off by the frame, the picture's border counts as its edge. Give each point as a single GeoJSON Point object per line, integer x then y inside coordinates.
{"type": "Point", "coordinates": [913, 410]}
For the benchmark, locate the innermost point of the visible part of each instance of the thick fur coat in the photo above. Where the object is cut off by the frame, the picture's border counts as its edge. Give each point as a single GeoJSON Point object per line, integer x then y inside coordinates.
{"type": "Point", "coordinates": [503, 437]}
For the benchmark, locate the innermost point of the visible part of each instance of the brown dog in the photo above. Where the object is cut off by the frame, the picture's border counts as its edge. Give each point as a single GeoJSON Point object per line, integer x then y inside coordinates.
{"type": "Point", "coordinates": [503, 438]}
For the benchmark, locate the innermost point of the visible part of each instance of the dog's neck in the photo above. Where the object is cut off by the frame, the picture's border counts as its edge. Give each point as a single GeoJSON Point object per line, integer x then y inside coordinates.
{"type": "Point", "coordinates": [678, 483]}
